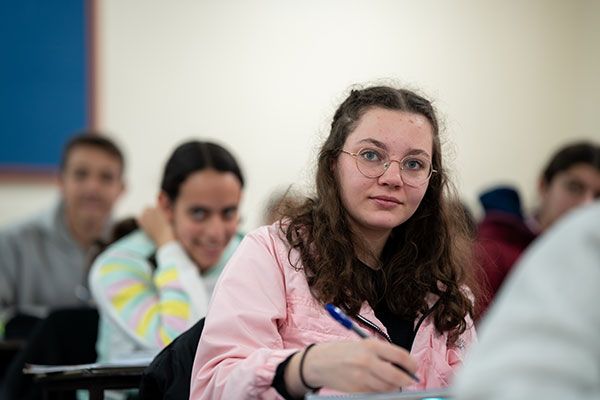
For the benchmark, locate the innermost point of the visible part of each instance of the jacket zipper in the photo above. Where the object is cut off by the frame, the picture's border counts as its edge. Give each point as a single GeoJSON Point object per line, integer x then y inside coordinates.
{"type": "Point", "coordinates": [374, 327]}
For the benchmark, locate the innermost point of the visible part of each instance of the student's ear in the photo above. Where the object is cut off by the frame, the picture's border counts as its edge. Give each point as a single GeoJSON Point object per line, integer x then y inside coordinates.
{"type": "Point", "coordinates": [166, 205]}
{"type": "Point", "coordinates": [542, 187]}
{"type": "Point", "coordinates": [333, 164]}
{"type": "Point", "coordinates": [60, 181]}
{"type": "Point", "coordinates": [123, 188]}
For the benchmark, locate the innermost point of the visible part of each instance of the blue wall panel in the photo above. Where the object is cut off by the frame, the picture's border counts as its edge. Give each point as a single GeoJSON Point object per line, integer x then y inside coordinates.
{"type": "Point", "coordinates": [43, 80]}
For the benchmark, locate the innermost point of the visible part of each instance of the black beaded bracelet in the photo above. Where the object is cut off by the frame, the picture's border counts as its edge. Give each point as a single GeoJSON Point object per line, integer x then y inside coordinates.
{"type": "Point", "coordinates": [302, 369]}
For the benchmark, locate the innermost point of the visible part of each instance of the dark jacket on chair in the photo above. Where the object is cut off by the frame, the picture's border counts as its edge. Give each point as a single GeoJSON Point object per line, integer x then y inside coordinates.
{"type": "Point", "coordinates": [170, 373]}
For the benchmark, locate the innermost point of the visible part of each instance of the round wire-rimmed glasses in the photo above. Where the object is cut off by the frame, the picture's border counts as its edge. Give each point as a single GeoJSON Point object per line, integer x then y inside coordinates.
{"type": "Point", "coordinates": [372, 163]}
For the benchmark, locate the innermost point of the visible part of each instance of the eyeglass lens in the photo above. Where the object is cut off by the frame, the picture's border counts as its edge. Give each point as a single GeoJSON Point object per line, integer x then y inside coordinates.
{"type": "Point", "coordinates": [415, 170]}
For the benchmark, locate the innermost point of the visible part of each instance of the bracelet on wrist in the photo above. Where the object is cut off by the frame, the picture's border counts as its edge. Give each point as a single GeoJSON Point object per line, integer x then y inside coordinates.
{"type": "Point", "coordinates": [312, 388]}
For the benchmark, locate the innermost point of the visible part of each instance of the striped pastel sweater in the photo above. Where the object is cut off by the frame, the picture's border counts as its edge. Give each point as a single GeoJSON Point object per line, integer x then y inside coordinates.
{"type": "Point", "coordinates": [143, 308]}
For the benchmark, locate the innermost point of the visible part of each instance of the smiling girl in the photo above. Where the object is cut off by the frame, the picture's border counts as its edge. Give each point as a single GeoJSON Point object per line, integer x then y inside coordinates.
{"type": "Point", "coordinates": [380, 240]}
{"type": "Point", "coordinates": [156, 282]}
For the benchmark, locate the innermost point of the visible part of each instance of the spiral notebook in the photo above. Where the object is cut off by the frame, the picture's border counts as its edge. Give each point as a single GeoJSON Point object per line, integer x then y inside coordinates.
{"type": "Point", "coordinates": [427, 395]}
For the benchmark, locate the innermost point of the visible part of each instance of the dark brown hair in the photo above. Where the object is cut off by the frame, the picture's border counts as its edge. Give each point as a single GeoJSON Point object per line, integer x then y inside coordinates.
{"type": "Point", "coordinates": [575, 153]}
{"type": "Point", "coordinates": [194, 156]}
{"type": "Point", "coordinates": [429, 253]}
{"type": "Point", "coordinates": [95, 140]}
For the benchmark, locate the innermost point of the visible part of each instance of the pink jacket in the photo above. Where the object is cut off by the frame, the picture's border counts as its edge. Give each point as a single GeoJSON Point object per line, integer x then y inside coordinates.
{"type": "Point", "coordinates": [262, 311]}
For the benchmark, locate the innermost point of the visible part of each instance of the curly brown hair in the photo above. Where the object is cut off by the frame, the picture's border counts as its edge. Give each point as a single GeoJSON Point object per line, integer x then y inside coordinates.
{"type": "Point", "coordinates": [429, 253]}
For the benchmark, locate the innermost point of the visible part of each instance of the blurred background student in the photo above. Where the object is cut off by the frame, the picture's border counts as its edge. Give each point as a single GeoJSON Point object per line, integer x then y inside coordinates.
{"type": "Point", "coordinates": [156, 282]}
{"type": "Point", "coordinates": [43, 260]}
{"type": "Point", "coordinates": [44, 264]}
{"type": "Point", "coordinates": [540, 338]}
{"type": "Point", "coordinates": [278, 203]}
{"type": "Point", "coordinates": [570, 179]}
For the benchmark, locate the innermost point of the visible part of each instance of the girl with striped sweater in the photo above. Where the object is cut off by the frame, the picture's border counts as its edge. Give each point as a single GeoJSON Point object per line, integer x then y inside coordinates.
{"type": "Point", "coordinates": [154, 283]}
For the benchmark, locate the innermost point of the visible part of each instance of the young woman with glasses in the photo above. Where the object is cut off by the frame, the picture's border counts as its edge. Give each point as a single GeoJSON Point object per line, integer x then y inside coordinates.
{"type": "Point", "coordinates": [380, 240]}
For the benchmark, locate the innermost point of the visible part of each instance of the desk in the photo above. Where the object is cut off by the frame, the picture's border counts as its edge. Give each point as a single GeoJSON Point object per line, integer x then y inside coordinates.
{"type": "Point", "coordinates": [441, 394]}
{"type": "Point", "coordinates": [56, 381]}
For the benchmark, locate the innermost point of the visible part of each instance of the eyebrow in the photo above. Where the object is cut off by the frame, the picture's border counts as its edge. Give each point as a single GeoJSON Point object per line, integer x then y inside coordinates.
{"type": "Point", "coordinates": [383, 146]}
{"type": "Point", "coordinates": [374, 142]}
{"type": "Point", "coordinates": [416, 152]}
{"type": "Point", "coordinates": [210, 210]}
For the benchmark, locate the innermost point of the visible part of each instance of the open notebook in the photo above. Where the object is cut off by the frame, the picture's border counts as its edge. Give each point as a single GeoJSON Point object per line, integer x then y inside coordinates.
{"type": "Point", "coordinates": [428, 395]}
{"type": "Point", "coordinates": [36, 369]}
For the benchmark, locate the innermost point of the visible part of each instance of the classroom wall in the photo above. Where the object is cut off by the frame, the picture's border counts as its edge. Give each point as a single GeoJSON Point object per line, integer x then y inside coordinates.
{"type": "Point", "coordinates": [587, 100]}
{"type": "Point", "coordinates": [513, 80]}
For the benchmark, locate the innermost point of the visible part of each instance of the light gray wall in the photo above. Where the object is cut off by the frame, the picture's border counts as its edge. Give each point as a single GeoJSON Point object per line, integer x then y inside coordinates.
{"type": "Point", "coordinates": [512, 80]}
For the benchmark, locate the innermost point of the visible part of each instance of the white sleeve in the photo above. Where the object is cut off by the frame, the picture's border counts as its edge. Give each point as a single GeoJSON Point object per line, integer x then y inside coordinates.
{"type": "Point", "coordinates": [190, 279]}
{"type": "Point", "coordinates": [540, 339]}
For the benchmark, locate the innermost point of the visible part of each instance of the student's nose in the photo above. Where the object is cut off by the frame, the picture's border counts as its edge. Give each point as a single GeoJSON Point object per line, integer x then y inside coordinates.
{"type": "Point", "coordinates": [392, 175]}
{"type": "Point", "coordinates": [589, 197]}
{"type": "Point", "coordinates": [216, 230]}
{"type": "Point", "coordinates": [93, 184]}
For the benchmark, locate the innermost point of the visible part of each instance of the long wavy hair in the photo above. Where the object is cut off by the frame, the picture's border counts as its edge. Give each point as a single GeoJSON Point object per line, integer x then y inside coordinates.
{"type": "Point", "coordinates": [429, 253]}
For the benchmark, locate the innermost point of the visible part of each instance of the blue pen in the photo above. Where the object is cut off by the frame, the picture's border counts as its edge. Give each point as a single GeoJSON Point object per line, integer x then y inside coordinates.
{"type": "Point", "coordinates": [343, 319]}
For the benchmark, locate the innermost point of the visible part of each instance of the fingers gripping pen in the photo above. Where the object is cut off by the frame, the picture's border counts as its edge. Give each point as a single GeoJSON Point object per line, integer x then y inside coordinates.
{"type": "Point", "coordinates": [344, 320]}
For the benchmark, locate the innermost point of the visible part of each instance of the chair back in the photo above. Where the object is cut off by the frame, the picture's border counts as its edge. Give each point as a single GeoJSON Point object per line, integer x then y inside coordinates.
{"type": "Point", "coordinates": [65, 337]}
{"type": "Point", "coordinates": [170, 373]}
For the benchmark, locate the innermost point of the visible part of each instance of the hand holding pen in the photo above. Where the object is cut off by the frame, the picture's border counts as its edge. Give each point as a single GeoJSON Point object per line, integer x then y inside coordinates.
{"type": "Point", "coordinates": [365, 366]}
{"type": "Point", "coordinates": [344, 320]}
{"type": "Point", "coordinates": [369, 365]}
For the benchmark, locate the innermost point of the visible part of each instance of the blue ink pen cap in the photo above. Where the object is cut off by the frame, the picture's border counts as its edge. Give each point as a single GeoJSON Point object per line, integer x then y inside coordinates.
{"type": "Point", "coordinates": [338, 315]}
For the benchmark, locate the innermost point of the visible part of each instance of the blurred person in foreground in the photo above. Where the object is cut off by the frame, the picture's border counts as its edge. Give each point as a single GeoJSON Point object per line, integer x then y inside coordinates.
{"type": "Point", "coordinates": [540, 339]}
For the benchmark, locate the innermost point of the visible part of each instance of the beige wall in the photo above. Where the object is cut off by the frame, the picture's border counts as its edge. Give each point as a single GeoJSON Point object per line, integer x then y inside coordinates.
{"type": "Point", "coordinates": [512, 80]}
